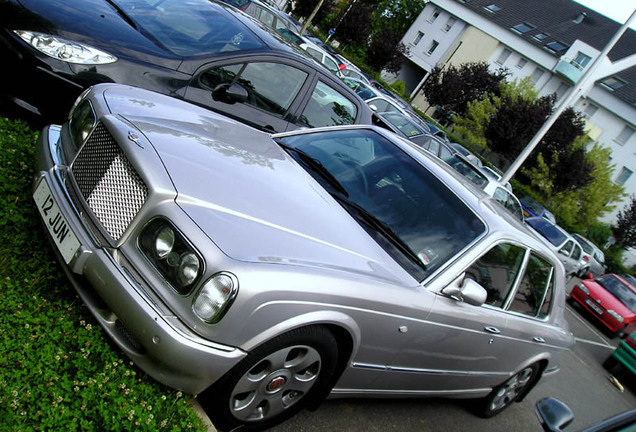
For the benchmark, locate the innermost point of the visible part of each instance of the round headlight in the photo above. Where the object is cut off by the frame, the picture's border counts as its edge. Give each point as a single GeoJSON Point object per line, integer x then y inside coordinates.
{"type": "Point", "coordinates": [188, 268]}
{"type": "Point", "coordinates": [214, 297]}
{"type": "Point", "coordinates": [164, 242]}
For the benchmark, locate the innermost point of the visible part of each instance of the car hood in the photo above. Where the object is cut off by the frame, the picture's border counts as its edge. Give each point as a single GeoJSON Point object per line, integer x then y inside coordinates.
{"type": "Point", "coordinates": [94, 22]}
{"type": "Point", "coordinates": [603, 297]}
{"type": "Point", "coordinates": [247, 194]}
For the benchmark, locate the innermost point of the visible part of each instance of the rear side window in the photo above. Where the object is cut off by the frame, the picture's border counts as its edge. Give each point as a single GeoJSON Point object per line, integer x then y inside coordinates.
{"type": "Point", "coordinates": [271, 87]}
{"type": "Point", "coordinates": [328, 107]}
{"type": "Point", "coordinates": [534, 296]}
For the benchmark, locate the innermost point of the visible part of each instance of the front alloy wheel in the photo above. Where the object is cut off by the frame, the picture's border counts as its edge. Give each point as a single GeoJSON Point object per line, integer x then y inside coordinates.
{"type": "Point", "coordinates": [274, 381]}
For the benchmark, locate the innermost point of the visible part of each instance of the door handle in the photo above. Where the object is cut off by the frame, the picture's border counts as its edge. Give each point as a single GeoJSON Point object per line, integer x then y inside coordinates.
{"type": "Point", "coordinates": [493, 330]}
{"type": "Point", "coordinates": [538, 339]}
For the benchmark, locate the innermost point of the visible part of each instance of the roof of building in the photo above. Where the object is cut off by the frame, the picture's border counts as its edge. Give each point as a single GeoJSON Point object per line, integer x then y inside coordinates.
{"type": "Point", "coordinates": [555, 25]}
{"type": "Point", "coordinates": [622, 84]}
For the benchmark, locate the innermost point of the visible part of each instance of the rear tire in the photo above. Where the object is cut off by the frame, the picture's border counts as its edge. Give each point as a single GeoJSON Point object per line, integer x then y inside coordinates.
{"type": "Point", "coordinates": [505, 394]}
{"type": "Point", "coordinates": [274, 382]}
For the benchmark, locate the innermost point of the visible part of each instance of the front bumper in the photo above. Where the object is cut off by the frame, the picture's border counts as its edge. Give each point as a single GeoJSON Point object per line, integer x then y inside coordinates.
{"type": "Point", "coordinates": [598, 312]}
{"type": "Point", "coordinates": [139, 323]}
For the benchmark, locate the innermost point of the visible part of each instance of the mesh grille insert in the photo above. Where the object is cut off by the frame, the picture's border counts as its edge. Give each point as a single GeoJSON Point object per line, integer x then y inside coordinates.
{"type": "Point", "coordinates": [108, 182]}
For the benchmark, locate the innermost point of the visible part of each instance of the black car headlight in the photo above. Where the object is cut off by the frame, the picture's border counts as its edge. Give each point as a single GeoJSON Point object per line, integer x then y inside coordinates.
{"type": "Point", "coordinates": [64, 49]}
{"type": "Point", "coordinates": [215, 296]}
{"type": "Point", "coordinates": [170, 253]}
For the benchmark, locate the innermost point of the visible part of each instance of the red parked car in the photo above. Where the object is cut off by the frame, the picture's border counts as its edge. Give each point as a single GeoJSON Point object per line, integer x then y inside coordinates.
{"type": "Point", "coordinates": [611, 299]}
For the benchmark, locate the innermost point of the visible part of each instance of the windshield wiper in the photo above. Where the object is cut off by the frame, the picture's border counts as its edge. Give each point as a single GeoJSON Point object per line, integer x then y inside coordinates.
{"type": "Point", "coordinates": [316, 166]}
{"type": "Point", "coordinates": [382, 228]}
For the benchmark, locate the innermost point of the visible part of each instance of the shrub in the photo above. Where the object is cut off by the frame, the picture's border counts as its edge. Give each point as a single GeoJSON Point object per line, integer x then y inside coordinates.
{"type": "Point", "coordinates": [57, 371]}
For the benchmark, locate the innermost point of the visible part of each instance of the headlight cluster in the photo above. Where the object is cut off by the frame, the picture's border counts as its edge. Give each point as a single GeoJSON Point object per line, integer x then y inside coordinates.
{"type": "Point", "coordinates": [182, 267]}
{"type": "Point", "coordinates": [82, 122]}
{"type": "Point", "coordinates": [65, 50]}
{"type": "Point", "coordinates": [615, 315]}
{"type": "Point", "coordinates": [175, 259]}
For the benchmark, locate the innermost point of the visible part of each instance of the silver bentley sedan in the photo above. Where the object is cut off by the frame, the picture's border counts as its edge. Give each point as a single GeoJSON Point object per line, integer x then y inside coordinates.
{"type": "Point", "coordinates": [268, 272]}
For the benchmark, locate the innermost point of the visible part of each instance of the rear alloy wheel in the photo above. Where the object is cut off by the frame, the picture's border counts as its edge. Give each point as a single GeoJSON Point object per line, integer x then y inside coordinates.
{"type": "Point", "coordinates": [507, 393]}
{"type": "Point", "coordinates": [274, 381]}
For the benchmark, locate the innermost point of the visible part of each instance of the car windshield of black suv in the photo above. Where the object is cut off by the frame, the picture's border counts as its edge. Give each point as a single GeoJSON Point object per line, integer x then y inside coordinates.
{"type": "Point", "coordinates": [400, 203]}
{"type": "Point", "coordinates": [624, 293]}
{"type": "Point", "coordinates": [192, 28]}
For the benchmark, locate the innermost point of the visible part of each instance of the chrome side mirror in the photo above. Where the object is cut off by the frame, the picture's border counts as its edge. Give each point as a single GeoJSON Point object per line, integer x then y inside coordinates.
{"type": "Point", "coordinates": [469, 291]}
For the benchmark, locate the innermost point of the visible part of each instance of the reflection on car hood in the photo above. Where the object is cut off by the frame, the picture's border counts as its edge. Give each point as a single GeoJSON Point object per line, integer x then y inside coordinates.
{"type": "Point", "coordinates": [250, 197]}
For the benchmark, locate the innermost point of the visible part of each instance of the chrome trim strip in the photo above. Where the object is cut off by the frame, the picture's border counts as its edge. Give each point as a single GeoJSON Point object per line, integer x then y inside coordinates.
{"type": "Point", "coordinates": [426, 371]}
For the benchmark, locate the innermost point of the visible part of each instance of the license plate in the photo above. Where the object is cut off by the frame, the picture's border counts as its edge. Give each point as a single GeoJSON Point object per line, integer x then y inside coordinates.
{"type": "Point", "coordinates": [65, 240]}
{"type": "Point", "coordinates": [594, 306]}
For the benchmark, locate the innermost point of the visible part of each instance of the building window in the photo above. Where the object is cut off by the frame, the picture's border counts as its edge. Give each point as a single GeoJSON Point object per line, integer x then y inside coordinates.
{"type": "Point", "coordinates": [432, 48]}
{"type": "Point", "coordinates": [625, 135]}
{"type": "Point", "coordinates": [523, 27]}
{"type": "Point", "coordinates": [560, 91]}
{"type": "Point", "coordinates": [613, 83]}
{"type": "Point", "coordinates": [624, 175]}
{"type": "Point", "coordinates": [541, 36]}
{"type": "Point", "coordinates": [536, 75]}
{"type": "Point", "coordinates": [417, 38]}
{"type": "Point", "coordinates": [590, 110]}
{"type": "Point", "coordinates": [581, 60]}
{"type": "Point", "coordinates": [492, 8]}
{"type": "Point", "coordinates": [433, 17]}
{"type": "Point", "coordinates": [449, 24]}
{"type": "Point", "coordinates": [556, 46]}
{"type": "Point", "coordinates": [503, 56]}
{"type": "Point", "coordinates": [521, 63]}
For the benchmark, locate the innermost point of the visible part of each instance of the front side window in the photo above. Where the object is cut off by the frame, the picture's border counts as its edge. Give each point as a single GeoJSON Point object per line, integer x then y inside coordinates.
{"type": "Point", "coordinates": [496, 272]}
{"type": "Point", "coordinates": [271, 87]}
{"type": "Point", "coordinates": [534, 295]}
{"type": "Point", "coordinates": [328, 107]}
{"type": "Point", "coordinates": [567, 248]}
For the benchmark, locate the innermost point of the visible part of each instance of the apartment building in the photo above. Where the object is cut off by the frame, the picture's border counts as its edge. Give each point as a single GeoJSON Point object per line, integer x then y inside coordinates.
{"type": "Point", "coordinates": [553, 42]}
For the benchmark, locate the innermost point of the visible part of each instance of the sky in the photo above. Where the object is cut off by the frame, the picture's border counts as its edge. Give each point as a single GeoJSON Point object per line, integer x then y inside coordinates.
{"type": "Point", "coordinates": [618, 10]}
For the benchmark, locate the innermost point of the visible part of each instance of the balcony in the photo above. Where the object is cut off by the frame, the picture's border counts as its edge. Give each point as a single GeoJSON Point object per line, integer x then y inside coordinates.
{"type": "Point", "coordinates": [569, 70]}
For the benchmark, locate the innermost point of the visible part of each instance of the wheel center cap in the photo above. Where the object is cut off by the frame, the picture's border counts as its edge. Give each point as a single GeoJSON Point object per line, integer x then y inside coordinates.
{"type": "Point", "coordinates": [276, 384]}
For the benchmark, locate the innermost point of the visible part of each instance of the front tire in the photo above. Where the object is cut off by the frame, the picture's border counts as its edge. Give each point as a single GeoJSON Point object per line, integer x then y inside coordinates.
{"type": "Point", "coordinates": [505, 394]}
{"type": "Point", "coordinates": [274, 382]}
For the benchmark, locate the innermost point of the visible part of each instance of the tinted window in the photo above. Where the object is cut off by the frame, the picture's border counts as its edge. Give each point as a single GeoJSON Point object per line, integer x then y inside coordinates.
{"type": "Point", "coordinates": [534, 295]}
{"type": "Point", "coordinates": [380, 180]}
{"type": "Point", "coordinates": [547, 230]}
{"type": "Point", "coordinates": [270, 86]}
{"type": "Point", "coordinates": [328, 107]}
{"type": "Point", "coordinates": [191, 28]}
{"type": "Point", "coordinates": [496, 271]}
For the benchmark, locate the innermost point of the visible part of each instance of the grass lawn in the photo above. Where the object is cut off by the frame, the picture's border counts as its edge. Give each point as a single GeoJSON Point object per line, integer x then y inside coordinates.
{"type": "Point", "coordinates": [57, 370]}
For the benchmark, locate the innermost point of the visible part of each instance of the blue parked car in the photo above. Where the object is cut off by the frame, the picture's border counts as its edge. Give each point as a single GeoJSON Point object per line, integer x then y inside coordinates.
{"type": "Point", "coordinates": [532, 208]}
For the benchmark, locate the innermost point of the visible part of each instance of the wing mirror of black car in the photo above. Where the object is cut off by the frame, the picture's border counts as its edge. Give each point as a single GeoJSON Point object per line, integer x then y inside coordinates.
{"type": "Point", "coordinates": [466, 290]}
{"type": "Point", "coordinates": [230, 93]}
{"type": "Point", "coordinates": [553, 414]}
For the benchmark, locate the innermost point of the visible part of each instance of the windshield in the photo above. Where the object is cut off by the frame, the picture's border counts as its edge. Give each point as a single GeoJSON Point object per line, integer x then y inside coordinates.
{"type": "Point", "coordinates": [192, 28]}
{"type": "Point", "coordinates": [551, 232]}
{"type": "Point", "coordinates": [379, 181]}
{"type": "Point", "coordinates": [623, 292]}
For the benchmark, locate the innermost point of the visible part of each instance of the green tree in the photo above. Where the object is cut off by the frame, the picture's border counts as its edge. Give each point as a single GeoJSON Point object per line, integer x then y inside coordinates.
{"type": "Point", "coordinates": [625, 231]}
{"type": "Point", "coordinates": [453, 88]}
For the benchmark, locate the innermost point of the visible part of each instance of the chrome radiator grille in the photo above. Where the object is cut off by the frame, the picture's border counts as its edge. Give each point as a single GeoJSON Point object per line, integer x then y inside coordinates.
{"type": "Point", "coordinates": [108, 182]}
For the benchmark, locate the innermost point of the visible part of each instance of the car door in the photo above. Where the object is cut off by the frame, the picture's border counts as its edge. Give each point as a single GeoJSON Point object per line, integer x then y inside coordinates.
{"type": "Point", "coordinates": [261, 91]}
{"type": "Point", "coordinates": [566, 256]}
{"type": "Point", "coordinates": [460, 346]}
